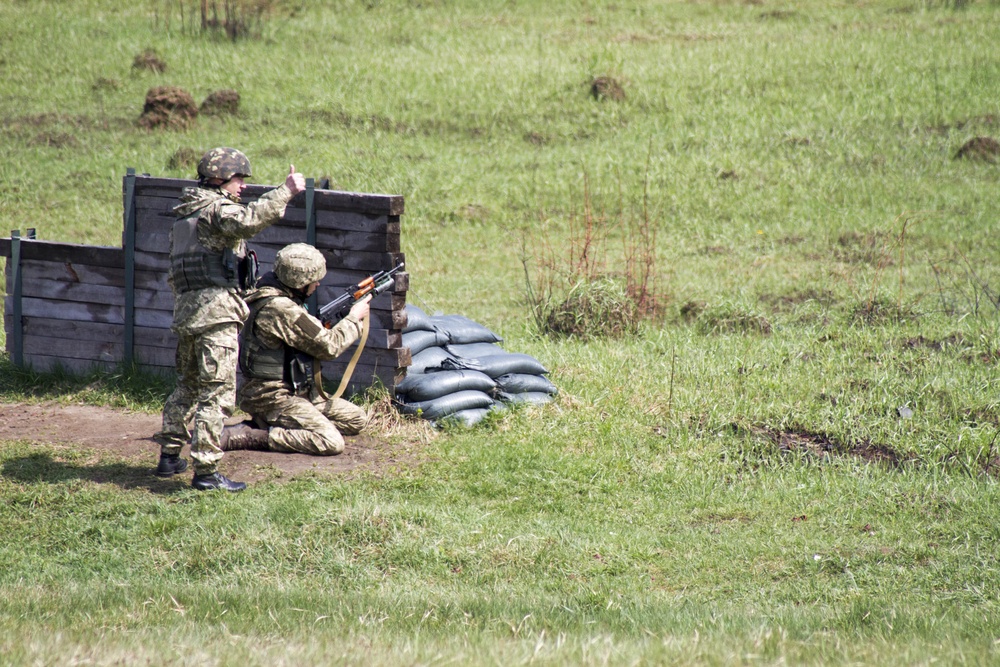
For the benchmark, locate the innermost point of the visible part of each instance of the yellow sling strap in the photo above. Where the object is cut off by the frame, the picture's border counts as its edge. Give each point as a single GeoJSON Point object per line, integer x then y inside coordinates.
{"type": "Point", "coordinates": [354, 359]}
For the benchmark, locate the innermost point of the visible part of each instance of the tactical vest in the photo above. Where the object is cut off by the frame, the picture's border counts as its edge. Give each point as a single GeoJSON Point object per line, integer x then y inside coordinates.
{"type": "Point", "coordinates": [193, 266]}
{"type": "Point", "coordinates": [283, 363]}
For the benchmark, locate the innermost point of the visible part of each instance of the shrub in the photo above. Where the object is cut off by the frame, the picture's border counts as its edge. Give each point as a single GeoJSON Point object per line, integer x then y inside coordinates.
{"type": "Point", "coordinates": [601, 308]}
{"type": "Point", "coordinates": [583, 286]}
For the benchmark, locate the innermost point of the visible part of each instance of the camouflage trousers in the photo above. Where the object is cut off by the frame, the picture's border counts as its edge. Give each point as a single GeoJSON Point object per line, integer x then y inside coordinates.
{"type": "Point", "coordinates": [205, 392]}
{"type": "Point", "coordinates": [309, 426]}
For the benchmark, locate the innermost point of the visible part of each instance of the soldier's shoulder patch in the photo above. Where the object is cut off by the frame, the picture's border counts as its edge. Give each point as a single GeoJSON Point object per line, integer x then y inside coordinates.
{"type": "Point", "coordinates": [308, 325]}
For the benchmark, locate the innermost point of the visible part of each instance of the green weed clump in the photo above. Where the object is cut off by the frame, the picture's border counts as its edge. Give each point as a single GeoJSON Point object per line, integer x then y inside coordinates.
{"type": "Point", "coordinates": [592, 310]}
{"type": "Point", "coordinates": [598, 276]}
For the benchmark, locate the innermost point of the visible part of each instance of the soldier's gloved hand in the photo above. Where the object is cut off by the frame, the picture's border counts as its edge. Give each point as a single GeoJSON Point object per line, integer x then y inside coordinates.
{"type": "Point", "coordinates": [361, 309]}
{"type": "Point", "coordinates": [295, 181]}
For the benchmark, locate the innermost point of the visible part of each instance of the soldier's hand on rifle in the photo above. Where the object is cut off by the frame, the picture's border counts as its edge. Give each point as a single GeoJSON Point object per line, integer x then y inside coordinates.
{"type": "Point", "coordinates": [295, 181]}
{"type": "Point", "coordinates": [361, 308]}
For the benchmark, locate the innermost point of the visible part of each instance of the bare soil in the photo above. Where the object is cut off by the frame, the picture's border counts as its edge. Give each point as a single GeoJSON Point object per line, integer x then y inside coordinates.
{"type": "Point", "coordinates": [221, 102]}
{"type": "Point", "coordinates": [123, 451]}
{"type": "Point", "coordinates": [979, 148]}
{"type": "Point", "coordinates": [168, 107]}
{"type": "Point", "coordinates": [149, 60]}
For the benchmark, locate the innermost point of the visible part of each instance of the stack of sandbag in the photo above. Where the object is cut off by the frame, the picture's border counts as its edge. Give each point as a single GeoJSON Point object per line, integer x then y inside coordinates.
{"type": "Point", "coordinates": [460, 372]}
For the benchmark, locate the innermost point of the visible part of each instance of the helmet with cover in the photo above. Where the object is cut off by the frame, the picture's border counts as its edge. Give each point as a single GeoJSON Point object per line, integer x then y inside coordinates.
{"type": "Point", "coordinates": [224, 163]}
{"type": "Point", "coordinates": [299, 264]}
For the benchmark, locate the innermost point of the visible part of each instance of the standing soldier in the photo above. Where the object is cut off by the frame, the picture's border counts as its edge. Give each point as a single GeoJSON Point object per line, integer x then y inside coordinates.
{"type": "Point", "coordinates": [209, 268]}
{"type": "Point", "coordinates": [277, 348]}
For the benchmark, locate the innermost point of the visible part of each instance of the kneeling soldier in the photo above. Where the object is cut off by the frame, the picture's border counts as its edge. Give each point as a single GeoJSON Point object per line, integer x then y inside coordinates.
{"type": "Point", "coordinates": [277, 347]}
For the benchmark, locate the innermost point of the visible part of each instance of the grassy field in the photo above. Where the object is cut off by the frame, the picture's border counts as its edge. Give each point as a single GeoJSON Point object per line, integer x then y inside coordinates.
{"type": "Point", "coordinates": [793, 464]}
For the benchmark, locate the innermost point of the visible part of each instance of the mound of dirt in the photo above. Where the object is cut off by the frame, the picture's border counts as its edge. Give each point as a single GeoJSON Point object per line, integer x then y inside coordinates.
{"type": "Point", "coordinates": [221, 102]}
{"type": "Point", "coordinates": [607, 88]}
{"type": "Point", "coordinates": [148, 60]}
{"type": "Point", "coordinates": [121, 449]}
{"type": "Point", "coordinates": [979, 148]}
{"type": "Point", "coordinates": [168, 107]}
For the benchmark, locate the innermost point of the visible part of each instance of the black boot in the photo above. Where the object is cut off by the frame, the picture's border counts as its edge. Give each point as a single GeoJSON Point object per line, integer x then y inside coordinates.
{"type": "Point", "coordinates": [215, 480]}
{"type": "Point", "coordinates": [243, 436]}
{"type": "Point", "coordinates": [170, 465]}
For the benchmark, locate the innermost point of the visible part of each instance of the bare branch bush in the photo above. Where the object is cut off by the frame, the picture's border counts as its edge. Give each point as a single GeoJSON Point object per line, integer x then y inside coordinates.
{"type": "Point", "coordinates": [235, 19]}
{"type": "Point", "coordinates": [595, 272]}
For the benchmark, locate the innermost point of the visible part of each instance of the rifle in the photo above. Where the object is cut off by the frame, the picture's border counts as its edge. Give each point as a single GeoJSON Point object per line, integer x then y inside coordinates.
{"type": "Point", "coordinates": [375, 284]}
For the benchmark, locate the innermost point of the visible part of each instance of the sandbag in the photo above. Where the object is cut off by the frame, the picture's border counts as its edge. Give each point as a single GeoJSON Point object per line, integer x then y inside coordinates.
{"type": "Point", "coordinates": [517, 383]}
{"type": "Point", "coordinates": [428, 386]}
{"type": "Point", "coordinates": [462, 330]}
{"type": "Point", "coordinates": [474, 350]}
{"type": "Point", "coordinates": [467, 418]}
{"type": "Point", "coordinates": [417, 320]}
{"type": "Point", "coordinates": [420, 339]}
{"type": "Point", "coordinates": [448, 404]}
{"type": "Point", "coordinates": [432, 357]}
{"type": "Point", "coordinates": [527, 398]}
{"type": "Point", "coordinates": [496, 365]}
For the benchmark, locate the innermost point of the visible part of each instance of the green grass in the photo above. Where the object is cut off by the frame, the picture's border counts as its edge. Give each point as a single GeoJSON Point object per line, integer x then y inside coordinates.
{"type": "Point", "coordinates": [826, 262]}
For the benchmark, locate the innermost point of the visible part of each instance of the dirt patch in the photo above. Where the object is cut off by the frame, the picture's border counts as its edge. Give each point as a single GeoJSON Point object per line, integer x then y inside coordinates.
{"type": "Point", "coordinates": [125, 453]}
{"type": "Point", "coordinates": [979, 148]}
{"type": "Point", "coordinates": [988, 120]}
{"type": "Point", "coordinates": [105, 84]}
{"type": "Point", "coordinates": [168, 107]}
{"type": "Point", "coordinates": [54, 140]}
{"type": "Point", "coordinates": [607, 88]}
{"type": "Point", "coordinates": [790, 301]}
{"type": "Point", "coordinates": [536, 138]}
{"type": "Point", "coordinates": [821, 444]}
{"type": "Point", "coordinates": [777, 15]}
{"type": "Point", "coordinates": [725, 320]}
{"type": "Point", "coordinates": [221, 103]}
{"type": "Point", "coordinates": [878, 312]}
{"type": "Point", "coordinates": [918, 342]}
{"type": "Point", "coordinates": [692, 310]}
{"type": "Point", "coordinates": [149, 60]}
{"type": "Point", "coordinates": [863, 248]}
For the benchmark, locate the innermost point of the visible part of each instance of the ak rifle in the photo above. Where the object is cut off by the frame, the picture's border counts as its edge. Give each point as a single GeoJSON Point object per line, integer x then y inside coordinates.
{"type": "Point", "coordinates": [338, 309]}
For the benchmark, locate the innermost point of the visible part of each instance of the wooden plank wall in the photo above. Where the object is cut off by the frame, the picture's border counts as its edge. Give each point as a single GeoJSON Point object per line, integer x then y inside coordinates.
{"type": "Point", "coordinates": [73, 296]}
{"type": "Point", "coordinates": [72, 310]}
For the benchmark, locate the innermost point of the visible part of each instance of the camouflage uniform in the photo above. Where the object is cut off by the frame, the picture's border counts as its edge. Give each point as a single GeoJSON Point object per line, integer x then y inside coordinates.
{"type": "Point", "coordinates": [298, 420]}
{"type": "Point", "coordinates": [207, 321]}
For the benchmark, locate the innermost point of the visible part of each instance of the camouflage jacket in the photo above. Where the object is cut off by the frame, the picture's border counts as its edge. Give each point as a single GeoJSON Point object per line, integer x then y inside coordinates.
{"type": "Point", "coordinates": [284, 322]}
{"type": "Point", "coordinates": [222, 223]}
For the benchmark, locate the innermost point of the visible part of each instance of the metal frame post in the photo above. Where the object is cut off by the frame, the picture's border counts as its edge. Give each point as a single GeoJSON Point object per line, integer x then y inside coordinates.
{"type": "Point", "coordinates": [16, 324]}
{"type": "Point", "coordinates": [129, 342]}
{"type": "Point", "coordinates": [312, 302]}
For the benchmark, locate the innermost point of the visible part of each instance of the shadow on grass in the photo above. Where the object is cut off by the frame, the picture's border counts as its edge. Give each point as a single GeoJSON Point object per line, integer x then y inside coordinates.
{"type": "Point", "coordinates": [41, 468]}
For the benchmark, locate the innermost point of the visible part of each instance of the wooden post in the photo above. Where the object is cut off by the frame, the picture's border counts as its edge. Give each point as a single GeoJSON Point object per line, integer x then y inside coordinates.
{"type": "Point", "coordinates": [129, 342]}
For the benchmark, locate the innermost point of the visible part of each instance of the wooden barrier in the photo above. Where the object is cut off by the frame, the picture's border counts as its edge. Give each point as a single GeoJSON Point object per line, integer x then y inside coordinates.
{"type": "Point", "coordinates": [82, 307]}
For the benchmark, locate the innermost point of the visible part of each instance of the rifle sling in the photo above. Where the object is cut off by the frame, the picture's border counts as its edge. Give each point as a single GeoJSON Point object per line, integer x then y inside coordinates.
{"type": "Point", "coordinates": [348, 372]}
{"type": "Point", "coordinates": [354, 359]}
{"type": "Point", "coordinates": [318, 379]}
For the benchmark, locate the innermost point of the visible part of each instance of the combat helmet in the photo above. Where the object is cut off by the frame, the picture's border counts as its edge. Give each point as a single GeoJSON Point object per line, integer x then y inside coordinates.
{"type": "Point", "coordinates": [224, 163]}
{"type": "Point", "coordinates": [299, 264]}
